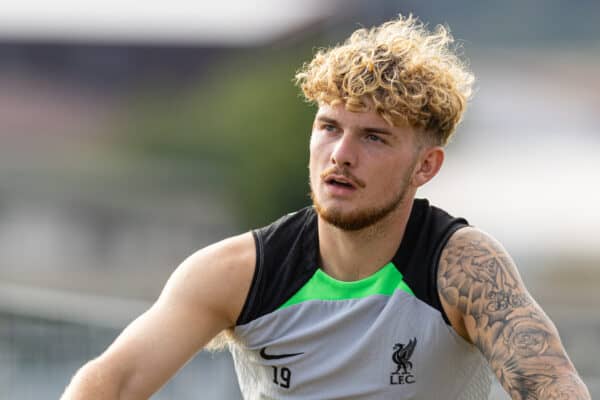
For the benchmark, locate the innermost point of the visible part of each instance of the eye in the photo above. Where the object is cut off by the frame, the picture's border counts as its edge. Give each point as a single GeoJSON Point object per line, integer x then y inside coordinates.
{"type": "Point", "coordinates": [374, 138]}
{"type": "Point", "coordinates": [329, 128]}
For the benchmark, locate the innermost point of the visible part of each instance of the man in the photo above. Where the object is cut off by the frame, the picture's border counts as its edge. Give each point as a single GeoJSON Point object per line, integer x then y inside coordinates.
{"type": "Point", "coordinates": [370, 293]}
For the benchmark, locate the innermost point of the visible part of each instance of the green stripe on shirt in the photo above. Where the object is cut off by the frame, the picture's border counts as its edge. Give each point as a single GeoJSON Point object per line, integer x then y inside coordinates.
{"type": "Point", "coordinates": [323, 287]}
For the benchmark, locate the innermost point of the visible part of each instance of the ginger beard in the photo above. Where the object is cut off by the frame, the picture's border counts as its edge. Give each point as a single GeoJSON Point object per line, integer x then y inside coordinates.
{"type": "Point", "coordinates": [362, 218]}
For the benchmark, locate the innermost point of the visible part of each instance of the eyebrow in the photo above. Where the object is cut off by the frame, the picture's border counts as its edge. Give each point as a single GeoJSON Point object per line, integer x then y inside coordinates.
{"type": "Point", "coordinates": [380, 130]}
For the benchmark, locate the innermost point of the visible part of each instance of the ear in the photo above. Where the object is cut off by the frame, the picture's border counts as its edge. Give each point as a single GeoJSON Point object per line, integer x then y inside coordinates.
{"type": "Point", "coordinates": [429, 163]}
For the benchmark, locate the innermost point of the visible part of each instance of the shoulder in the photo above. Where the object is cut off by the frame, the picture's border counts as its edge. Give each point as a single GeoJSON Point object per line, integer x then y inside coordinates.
{"type": "Point", "coordinates": [232, 250]}
{"type": "Point", "coordinates": [473, 252]}
{"type": "Point", "coordinates": [477, 276]}
{"type": "Point", "coordinates": [233, 277]}
{"type": "Point", "coordinates": [290, 241]}
{"type": "Point", "coordinates": [286, 257]}
{"type": "Point", "coordinates": [216, 277]}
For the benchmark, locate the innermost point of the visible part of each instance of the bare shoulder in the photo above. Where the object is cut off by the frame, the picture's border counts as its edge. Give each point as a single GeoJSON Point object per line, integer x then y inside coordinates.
{"type": "Point", "coordinates": [218, 276]}
{"type": "Point", "coordinates": [488, 304]}
{"type": "Point", "coordinates": [475, 270]}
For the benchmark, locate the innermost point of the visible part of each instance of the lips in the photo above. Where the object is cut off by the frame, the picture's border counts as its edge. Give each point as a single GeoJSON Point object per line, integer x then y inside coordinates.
{"type": "Point", "coordinates": [340, 180]}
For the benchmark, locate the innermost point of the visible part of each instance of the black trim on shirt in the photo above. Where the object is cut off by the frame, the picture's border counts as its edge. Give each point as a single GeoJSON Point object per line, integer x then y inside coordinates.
{"type": "Point", "coordinates": [287, 256]}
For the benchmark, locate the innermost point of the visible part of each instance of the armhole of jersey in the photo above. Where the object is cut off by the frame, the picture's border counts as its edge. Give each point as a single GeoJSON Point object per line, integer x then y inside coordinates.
{"type": "Point", "coordinates": [251, 298]}
{"type": "Point", "coordinates": [436, 264]}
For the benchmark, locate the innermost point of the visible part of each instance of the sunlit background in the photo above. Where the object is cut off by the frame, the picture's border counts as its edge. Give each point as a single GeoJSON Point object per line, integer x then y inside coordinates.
{"type": "Point", "coordinates": [134, 133]}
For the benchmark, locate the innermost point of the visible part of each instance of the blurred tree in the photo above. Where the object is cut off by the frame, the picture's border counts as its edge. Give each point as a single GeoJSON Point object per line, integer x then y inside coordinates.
{"type": "Point", "coordinates": [243, 129]}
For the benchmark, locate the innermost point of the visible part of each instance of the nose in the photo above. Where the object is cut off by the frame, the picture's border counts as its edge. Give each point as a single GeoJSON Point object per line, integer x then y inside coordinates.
{"type": "Point", "coordinates": [344, 152]}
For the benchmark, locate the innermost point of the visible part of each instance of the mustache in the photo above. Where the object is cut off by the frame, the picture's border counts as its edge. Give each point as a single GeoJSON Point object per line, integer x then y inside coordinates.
{"type": "Point", "coordinates": [345, 173]}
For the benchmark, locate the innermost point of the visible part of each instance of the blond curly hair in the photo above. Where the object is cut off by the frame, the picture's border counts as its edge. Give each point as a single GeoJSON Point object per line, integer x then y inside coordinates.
{"type": "Point", "coordinates": [412, 76]}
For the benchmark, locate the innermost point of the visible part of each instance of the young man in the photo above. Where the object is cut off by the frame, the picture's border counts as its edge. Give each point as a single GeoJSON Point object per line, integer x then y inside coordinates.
{"type": "Point", "coordinates": [370, 293]}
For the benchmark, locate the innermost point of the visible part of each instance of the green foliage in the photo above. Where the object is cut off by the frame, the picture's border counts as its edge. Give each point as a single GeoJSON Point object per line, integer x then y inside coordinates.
{"type": "Point", "coordinates": [247, 121]}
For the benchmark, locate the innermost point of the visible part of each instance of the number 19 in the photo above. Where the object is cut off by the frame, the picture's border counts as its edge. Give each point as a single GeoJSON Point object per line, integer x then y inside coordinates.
{"type": "Point", "coordinates": [282, 376]}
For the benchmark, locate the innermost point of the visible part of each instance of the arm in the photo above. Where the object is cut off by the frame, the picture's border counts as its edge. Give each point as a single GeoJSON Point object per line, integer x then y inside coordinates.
{"type": "Point", "coordinates": [487, 303]}
{"type": "Point", "coordinates": [204, 296]}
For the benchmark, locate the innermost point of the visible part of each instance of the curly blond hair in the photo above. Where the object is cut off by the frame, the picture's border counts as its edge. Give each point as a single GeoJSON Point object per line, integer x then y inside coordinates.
{"type": "Point", "coordinates": [411, 75]}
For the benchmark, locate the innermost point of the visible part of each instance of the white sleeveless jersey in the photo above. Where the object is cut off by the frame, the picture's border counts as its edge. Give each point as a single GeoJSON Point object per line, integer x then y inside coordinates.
{"type": "Point", "coordinates": [305, 335]}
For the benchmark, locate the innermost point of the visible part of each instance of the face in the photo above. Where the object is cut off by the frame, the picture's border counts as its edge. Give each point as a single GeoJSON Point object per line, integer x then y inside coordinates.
{"type": "Point", "coordinates": [361, 168]}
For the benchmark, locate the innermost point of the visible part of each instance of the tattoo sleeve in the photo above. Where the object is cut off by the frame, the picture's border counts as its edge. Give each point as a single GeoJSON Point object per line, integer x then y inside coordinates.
{"type": "Point", "coordinates": [478, 281]}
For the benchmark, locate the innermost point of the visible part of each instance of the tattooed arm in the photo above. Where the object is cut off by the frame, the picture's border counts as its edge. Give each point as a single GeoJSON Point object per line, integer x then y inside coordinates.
{"type": "Point", "coordinates": [487, 303]}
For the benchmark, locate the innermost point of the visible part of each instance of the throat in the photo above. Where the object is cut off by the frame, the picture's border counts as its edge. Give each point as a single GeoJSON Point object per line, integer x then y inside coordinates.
{"type": "Point", "coordinates": [354, 255]}
{"type": "Point", "coordinates": [354, 258]}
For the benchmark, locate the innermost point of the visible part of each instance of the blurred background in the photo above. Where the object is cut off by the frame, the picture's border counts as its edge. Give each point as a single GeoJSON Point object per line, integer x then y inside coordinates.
{"type": "Point", "coordinates": [132, 135]}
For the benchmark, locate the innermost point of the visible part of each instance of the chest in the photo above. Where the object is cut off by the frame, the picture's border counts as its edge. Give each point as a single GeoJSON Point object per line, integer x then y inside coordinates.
{"type": "Point", "coordinates": [375, 347]}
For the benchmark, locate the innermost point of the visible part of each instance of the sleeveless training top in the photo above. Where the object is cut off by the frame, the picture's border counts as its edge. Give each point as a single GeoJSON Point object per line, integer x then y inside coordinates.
{"type": "Point", "coordinates": [305, 335]}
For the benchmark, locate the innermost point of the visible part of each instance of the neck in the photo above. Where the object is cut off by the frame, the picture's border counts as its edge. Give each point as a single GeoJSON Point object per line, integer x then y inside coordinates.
{"type": "Point", "coordinates": [353, 255]}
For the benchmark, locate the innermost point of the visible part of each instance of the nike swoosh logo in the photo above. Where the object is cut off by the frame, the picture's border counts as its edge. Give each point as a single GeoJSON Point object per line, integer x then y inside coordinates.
{"type": "Point", "coordinates": [263, 354]}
